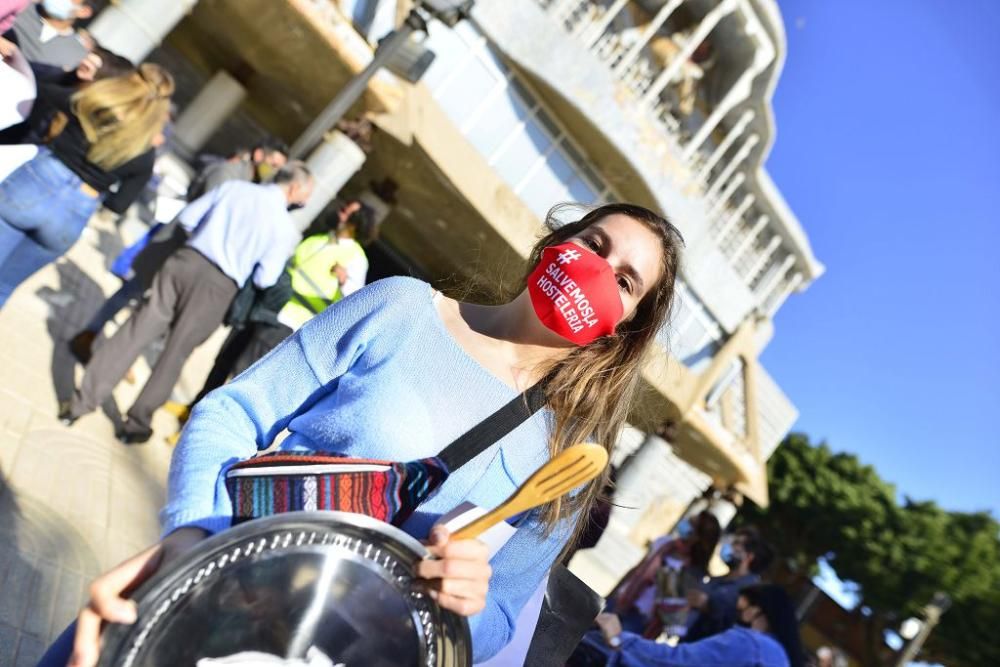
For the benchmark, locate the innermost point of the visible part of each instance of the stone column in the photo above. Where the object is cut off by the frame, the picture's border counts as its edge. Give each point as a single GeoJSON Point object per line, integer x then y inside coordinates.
{"type": "Point", "coordinates": [735, 216]}
{"type": "Point", "coordinates": [647, 33]}
{"type": "Point", "coordinates": [749, 238]}
{"type": "Point", "coordinates": [332, 163]}
{"type": "Point", "coordinates": [590, 33]}
{"type": "Point", "coordinates": [670, 71]}
{"type": "Point", "coordinates": [214, 103]}
{"type": "Point", "coordinates": [563, 10]}
{"type": "Point", "coordinates": [727, 192]}
{"type": "Point", "coordinates": [742, 154]}
{"type": "Point", "coordinates": [764, 258]}
{"type": "Point", "coordinates": [734, 133]}
{"type": "Point", "coordinates": [765, 288]}
{"type": "Point", "coordinates": [774, 302]}
{"type": "Point", "coordinates": [763, 57]}
{"type": "Point", "coordinates": [133, 28]}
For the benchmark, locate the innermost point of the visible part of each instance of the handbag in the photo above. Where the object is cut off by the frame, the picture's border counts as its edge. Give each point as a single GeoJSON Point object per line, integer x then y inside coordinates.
{"type": "Point", "coordinates": [386, 490]}
{"type": "Point", "coordinates": [122, 266]}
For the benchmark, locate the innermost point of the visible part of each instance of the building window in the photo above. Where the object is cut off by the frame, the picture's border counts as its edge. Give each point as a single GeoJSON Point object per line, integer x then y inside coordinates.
{"type": "Point", "coordinates": [506, 122]}
{"type": "Point", "coordinates": [693, 335]}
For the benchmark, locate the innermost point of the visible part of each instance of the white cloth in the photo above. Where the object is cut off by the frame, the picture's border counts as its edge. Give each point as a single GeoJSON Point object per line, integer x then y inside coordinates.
{"type": "Point", "coordinates": [357, 270]}
{"type": "Point", "coordinates": [50, 32]}
{"type": "Point", "coordinates": [514, 653]}
{"type": "Point", "coordinates": [18, 85]}
{"type": "Point", "coordinates": [12, 157]}
{"type": "Point", "coordinates": [314, 658]}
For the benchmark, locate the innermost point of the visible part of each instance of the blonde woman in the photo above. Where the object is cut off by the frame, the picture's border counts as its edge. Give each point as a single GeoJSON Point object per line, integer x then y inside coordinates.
{"type": "Point", "coordinates": [111, 127]}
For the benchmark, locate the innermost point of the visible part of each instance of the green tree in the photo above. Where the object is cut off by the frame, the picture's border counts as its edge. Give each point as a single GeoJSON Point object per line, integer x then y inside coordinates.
{"type": "Point", "coordinates": [830, 505]}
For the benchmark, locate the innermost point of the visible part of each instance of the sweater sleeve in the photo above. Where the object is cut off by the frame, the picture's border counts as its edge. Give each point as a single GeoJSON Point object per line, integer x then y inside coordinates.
{"type": "Point", "coordinates": [518, 570]}
{"type": "Point", "coordinates": [727, 649]}
{"type": "Point", "coordinates": [235, 421]}
{"type": "Point", "coordinates": [133, 177]}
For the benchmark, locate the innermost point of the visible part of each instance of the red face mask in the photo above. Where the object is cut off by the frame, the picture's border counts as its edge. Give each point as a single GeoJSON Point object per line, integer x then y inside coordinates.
{"type": "Point", "coordinates": [575, 293]}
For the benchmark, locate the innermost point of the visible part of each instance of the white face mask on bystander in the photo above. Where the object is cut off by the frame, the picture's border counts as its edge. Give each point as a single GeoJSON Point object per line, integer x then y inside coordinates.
{"type": "Point", "coordinates": [62, 10]}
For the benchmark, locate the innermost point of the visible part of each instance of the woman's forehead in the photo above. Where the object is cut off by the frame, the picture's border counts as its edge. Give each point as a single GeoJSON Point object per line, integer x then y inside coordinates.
{"type": "Point", "coordinates": [635, 243]}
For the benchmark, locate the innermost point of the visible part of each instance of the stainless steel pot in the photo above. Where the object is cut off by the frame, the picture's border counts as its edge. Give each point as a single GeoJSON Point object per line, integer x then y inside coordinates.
{"type": "Point", "coordinates": [292, 585]}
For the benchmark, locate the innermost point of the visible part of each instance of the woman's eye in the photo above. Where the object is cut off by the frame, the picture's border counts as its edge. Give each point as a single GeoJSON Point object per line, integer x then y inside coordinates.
{"type": "Point", "coordinates": [625, 284]}
{"type": "Point", "coordinates": [592, 244]}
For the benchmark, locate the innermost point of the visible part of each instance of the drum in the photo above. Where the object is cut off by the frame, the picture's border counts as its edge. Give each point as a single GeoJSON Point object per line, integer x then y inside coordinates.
{"type": "Point", "coordinates": [316, 589]}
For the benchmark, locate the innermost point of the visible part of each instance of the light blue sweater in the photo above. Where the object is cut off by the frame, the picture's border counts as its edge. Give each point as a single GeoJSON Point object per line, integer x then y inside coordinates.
{"type": "Point", "coordinates": [376, 375]}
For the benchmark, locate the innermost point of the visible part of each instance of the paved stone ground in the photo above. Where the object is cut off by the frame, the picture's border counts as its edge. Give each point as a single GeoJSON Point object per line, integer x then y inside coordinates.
{"type": "Point", "coordinates": [73, 501]}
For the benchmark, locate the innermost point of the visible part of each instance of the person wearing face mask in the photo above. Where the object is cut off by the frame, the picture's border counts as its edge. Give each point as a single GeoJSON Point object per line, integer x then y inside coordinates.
{"type": "Point", "coordinates": [17, 81]}
{"type": "Point", "coordinates": [255, 166]}
{"type": "Point", "coordinates": [398, 370]}
{"type": "Point", "coordinates": [46, 33]}
{"type": "Point", "coordinates": [56, 84]}
{"type": "Point", "coordinates": [766, 635]}
{"type": "Point", "coordinates": [238, 232]}
{"type": "Point", "coordinates": [328, 267]}
{"type": "Point", "coordinates": [685, 554]}
{"type": "Point", "coordinates": [714, 607]}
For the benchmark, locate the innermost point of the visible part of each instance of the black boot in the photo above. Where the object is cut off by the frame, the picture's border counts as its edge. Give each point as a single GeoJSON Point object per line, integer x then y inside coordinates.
{"type": "Point", "coordinates": [66, 416]}
{"type": "Point", "coordinates": [81, 345]}
{"type": "Point", "coordinates": [128, 434]}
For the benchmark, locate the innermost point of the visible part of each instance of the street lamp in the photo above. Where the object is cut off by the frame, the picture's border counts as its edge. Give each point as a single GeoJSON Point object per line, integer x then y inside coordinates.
{"type": "Point", "coordinates": [938, 605]}
{"type": "Point", "coordinates": [389, 48]}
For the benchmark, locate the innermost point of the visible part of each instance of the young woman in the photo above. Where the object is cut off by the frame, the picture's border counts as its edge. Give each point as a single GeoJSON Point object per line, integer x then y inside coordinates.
{"type": "Point", "coordinates": [106, 145]}
{"type": "Point", "coordinates": [767, 635]}
{"type": "Point", "coordinates": [397, 371]}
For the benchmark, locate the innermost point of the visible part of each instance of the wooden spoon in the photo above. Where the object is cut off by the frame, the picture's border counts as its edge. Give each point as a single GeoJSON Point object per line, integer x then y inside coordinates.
{"type": "Point", "coordinates": [571, 468]}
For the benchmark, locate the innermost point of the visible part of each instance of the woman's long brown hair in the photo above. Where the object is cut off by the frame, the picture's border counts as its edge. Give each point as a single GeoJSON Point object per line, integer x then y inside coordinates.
{"type": "Point", "coordinates": [591, 391]}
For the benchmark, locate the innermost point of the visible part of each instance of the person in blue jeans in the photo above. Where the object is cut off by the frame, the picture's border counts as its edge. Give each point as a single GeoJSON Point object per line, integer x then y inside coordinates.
{"type": "Point", "coordinates": [106, 144]}
{"type": "Point", "coordinates": [766, 635]}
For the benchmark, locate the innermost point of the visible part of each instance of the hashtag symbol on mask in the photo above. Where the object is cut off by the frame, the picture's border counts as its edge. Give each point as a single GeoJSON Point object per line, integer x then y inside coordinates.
{"type": "Point", "coordinates": [567, 256]}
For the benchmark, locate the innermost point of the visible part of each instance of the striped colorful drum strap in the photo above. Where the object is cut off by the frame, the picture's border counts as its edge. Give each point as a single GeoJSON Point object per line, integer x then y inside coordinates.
{"type": "Point", "coordinates": [294, 481]}
{"type": "Point", "coordinates": [386, 490]}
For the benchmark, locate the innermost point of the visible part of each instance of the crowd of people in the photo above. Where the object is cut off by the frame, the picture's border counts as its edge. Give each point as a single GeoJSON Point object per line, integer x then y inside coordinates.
{"type": "Point", "coordinates": [301, 319]}
{"type": "Point", "coordinates": [94, 127]}
{"type": "Point", "coordinates": [669, 611]}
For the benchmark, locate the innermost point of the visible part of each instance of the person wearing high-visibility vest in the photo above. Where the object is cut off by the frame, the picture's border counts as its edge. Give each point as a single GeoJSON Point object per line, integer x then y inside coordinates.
{"type": "Point", "coordinates": [325, 268]}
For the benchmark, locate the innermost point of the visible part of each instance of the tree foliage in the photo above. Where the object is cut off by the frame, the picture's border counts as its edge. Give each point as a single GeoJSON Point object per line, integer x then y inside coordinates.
{"type": "Point", "coordinates": [830, 505]}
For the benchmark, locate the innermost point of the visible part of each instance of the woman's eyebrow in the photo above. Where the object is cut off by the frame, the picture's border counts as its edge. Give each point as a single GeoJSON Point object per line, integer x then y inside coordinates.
{"type": "Point", "coordinates": [626, 268]}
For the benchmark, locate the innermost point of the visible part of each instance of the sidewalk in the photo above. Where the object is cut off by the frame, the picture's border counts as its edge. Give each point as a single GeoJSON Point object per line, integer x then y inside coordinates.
{"type": "Point", "coordinates": [73, 501]}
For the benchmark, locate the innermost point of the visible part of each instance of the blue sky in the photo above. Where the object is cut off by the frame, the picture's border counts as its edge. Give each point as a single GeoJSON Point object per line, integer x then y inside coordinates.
{"type": "Point", "coordinates": [888, 150]}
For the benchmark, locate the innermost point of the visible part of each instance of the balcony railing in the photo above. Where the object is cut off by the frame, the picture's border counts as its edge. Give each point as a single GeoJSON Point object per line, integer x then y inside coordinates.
{"type": "Point", "coordinates": [667, 77]}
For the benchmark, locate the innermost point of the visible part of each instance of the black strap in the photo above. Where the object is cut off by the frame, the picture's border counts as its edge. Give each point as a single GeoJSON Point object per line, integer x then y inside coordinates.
{"type": "Point", "coordinates": [481, 437]}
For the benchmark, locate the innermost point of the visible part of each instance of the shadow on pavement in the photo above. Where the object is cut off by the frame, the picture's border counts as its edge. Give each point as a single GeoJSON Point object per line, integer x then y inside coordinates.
{"type": "Point", "coordinates": [70, 307]}
{"type": "Point", "coordinates": [109, 244]}
{"type": "Point", "coordinates": [17, 578]}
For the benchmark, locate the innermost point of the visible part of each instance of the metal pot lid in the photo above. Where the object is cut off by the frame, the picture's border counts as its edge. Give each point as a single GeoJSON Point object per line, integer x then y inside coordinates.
{"type": "Point", "coordinates": [316, 589]}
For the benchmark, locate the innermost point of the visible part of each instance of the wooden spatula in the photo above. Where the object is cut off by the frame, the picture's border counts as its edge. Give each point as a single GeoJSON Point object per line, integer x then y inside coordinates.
{"type": "Point", "coordinates": [571, 468]}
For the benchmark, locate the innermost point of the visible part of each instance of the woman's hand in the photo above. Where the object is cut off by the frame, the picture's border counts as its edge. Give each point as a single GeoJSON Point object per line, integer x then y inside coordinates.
{"type": "Point", "coordinates": [459, 573]}
{"type": "Point", "coordinates": [107, 601]}
{"type": "Point", "coordinates": [611, 629]}
{"type": "Point", "coordinates": [697, 599]}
